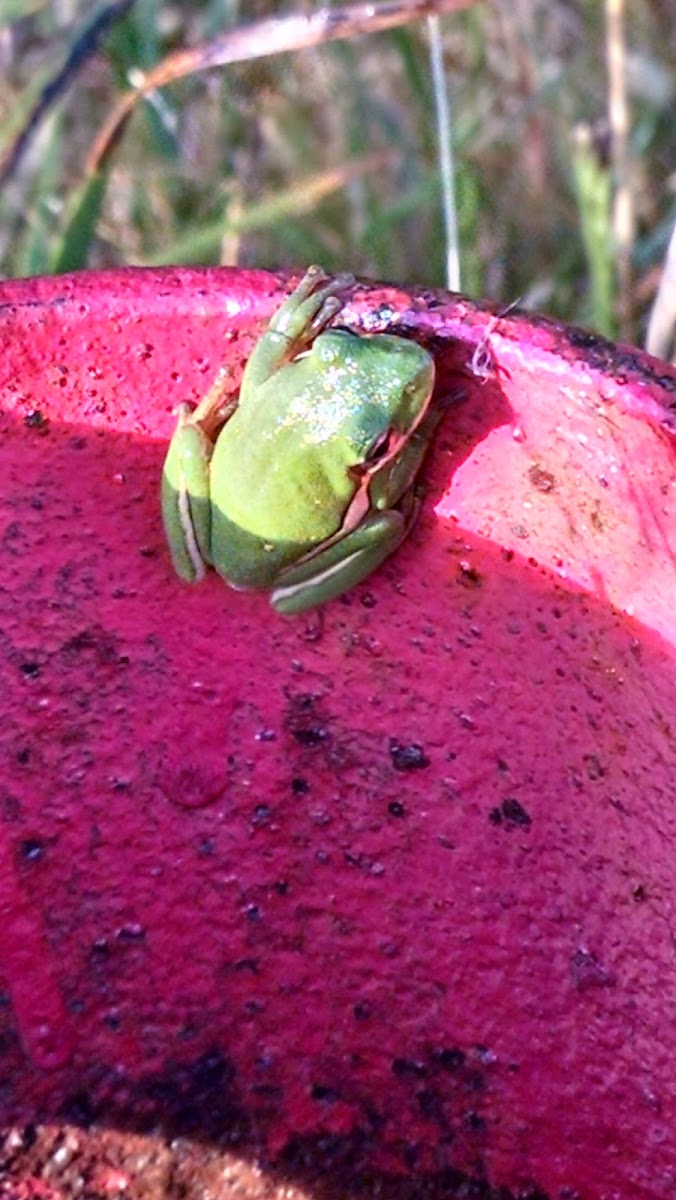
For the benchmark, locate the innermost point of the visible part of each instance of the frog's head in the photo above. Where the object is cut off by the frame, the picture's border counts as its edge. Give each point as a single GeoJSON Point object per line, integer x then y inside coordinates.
{"type": "Point", "coordinates": [384, 383]}
{"type": "Point", "coordinates": [371, 394]}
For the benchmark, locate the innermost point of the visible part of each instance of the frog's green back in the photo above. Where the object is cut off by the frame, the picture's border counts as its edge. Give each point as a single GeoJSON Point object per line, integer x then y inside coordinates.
{"type": "Point", "coordinates": [288, 462]}
{"type": "Point", "coordinates": [274, 497]}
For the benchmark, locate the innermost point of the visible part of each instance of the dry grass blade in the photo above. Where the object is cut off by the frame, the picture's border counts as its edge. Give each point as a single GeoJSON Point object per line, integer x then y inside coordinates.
{"type": "Point", "coordinates": [446, 163]}
{"type": "Point", "coordinates": [662, 322]}
{"type": "Point", "coordinates": [274, 35]}
{"type": "Point", "coordinates": [301, 198]}
{"type": "Point", "coordinates": [623, 201]}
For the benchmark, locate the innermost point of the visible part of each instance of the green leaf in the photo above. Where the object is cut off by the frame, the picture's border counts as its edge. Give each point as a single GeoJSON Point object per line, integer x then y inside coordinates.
{"type": "Point", "coordinates": [73, 252]}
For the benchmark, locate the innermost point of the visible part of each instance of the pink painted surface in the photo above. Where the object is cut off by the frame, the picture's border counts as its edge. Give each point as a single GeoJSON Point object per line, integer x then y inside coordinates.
{"type": "Point", "coordinates": [395, 880]}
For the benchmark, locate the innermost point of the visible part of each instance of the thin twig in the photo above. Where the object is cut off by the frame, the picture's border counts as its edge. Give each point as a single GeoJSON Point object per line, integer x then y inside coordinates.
{"type": "Point", "coordinates": [82, 49]}
{"type": "Point", "coordinates": [275, 35]}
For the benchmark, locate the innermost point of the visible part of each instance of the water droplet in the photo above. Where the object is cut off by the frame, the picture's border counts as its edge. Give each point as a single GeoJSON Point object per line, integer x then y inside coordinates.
{"type": "Point", "coordinates": [192, 781]}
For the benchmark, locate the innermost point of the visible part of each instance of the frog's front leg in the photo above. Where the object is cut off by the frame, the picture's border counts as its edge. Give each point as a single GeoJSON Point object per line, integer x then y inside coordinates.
{"type": "Point", "coordinates": [214, 409]}
{"type": "Point", "coordinates": [394, 480]}
{"type": "Point", "coordinates": [323, 575]}
{"type": "Point", "coordinates": [294, 326]}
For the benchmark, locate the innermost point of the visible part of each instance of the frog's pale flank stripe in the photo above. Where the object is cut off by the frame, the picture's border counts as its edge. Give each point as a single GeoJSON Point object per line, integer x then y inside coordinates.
{"type": "Point", "coordinates": [185, 518]}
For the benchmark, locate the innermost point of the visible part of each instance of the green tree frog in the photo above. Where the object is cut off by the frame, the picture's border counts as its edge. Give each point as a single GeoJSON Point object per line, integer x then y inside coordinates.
{"type": "Point", "coordinates": [305, 483]}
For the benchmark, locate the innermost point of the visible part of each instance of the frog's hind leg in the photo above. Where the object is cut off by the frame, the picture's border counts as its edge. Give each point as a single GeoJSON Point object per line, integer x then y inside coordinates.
{"type": "Point", "coordinates": [325, 574]}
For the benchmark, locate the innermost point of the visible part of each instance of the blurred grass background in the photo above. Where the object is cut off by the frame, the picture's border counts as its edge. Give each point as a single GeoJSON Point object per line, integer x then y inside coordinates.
{"type": "Point", "coordinates": [331, 154]}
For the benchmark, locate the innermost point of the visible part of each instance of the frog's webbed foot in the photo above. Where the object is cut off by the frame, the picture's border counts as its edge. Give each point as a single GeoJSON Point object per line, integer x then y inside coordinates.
{"type": "Point", "coordinates": [294, 326]}
{"type": "Point", "coordinates": [310, 308]}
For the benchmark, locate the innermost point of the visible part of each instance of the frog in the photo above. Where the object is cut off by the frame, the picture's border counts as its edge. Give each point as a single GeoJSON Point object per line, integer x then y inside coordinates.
{"type": "Point", "coordinates": [304, 482]}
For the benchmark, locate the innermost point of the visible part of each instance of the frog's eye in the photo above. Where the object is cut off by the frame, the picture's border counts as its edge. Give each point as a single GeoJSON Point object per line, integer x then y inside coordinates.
{"type": "Point", "coordinates": [378, 448]}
